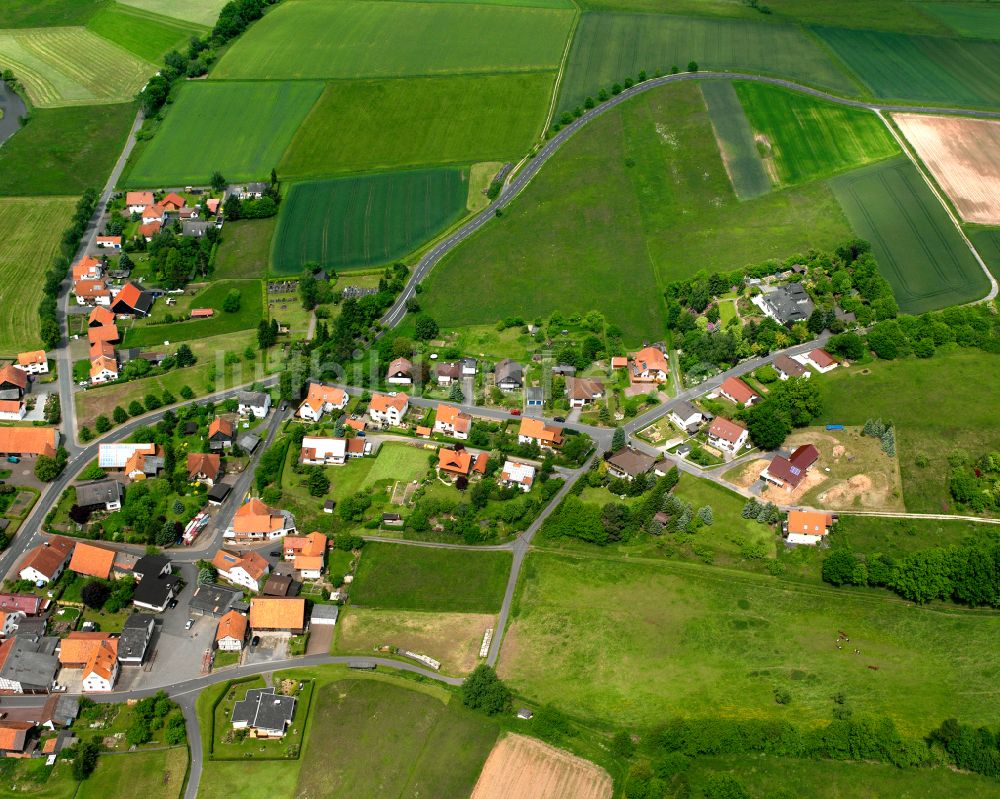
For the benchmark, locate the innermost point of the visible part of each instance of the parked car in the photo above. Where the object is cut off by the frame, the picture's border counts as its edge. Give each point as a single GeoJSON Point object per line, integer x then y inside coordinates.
{"type": "Point", "coordinates": [515, 411]}
{"type": "Point", "coordinates": [559, 418]}
{"type": "Point", "coordinates": [189, 624]}
{"type": "Point", "coordinates": [172, 604]}
{"type": "Point", "coordinates": [275, 553]}
{"type": "Point", "coordinates": [255, 640]}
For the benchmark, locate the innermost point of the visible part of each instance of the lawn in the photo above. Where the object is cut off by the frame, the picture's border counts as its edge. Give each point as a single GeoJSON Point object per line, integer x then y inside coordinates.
{"type": "Point", "coordinates": [152, 775]}
{"type": "Point", "coordinates": [245, 249]}
{"type": "Point", "coordinates": [961, 386]}
{"type": "Point", "coordinates": [30, 230]}
{"type": "Point", "coordinates": [251, 311]}
{"type": "Point", "coordinates": [226, 746]}
{"type": "Point", "coordinates": [608, 48]}
{"type": "Point", "coordinates": [898, 537]}
{"type": "Point", "coordinates": [356, 125]}
{"type": "Point", "coordinates": [146, 35]}
{"type": "Point", "coordinates": [735, 138]}
{"type": "Point", "coordinates": [807, 138]}
{"type": "Point", "coordinates": [919, 250]}
{"type": "Point", "coordinates": [34, 780]}
{"type": "Point", "coordinates": [40, 13]}
{"type": "Point", "coordinates": [425, 578]}
{"type": "Point", "coordinates": [72, 66]}
{"type": "Point", "coordinates": [975, 20]}
{"type": "Point", "coordinates": [385, 739]}
{"type": "Point", "coordinates": [638, 197]}
{"type": "Point", "coordinates": [63, 151]}
{"type": "Point", "coordinates": [365, 220]}
{"type": "Point", "coordinates": [240, 129]}
{"type": "Point", "coordinates": [265, 780]}
{"type": "Point", "coordinates": [394, 461]}
{"type": "Point", "coordinates": [666, 639]}
{"type": "Point", "coordinates": [396, 39]}
{"type": "Point", "coordinates": [930, 69]}
{"type": "Point", "coordinates": [200, 12]}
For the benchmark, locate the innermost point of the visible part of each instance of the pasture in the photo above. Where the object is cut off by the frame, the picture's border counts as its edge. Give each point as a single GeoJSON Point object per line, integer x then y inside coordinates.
{"type": "Point", "coordinates": [807, 138]}
{"type": "Point", "coordinates": [962, 155]}
{"type": "Point", "coordinates": [41, 13]}
{"type": "Point", "coordinates": [30, 230]}
{"type": "Point", "coordinates": [372, 738]}
{"type": "Point", "coordinates": [675, 639]}
{"type": "Point", "coordinates": [919, 250]}
{"type": "Point", "coordinates": [63, 151]}
{"type": "Point", "coordinates": [240, 129]}
{"type": "Point", "coordinates": [962, 386]}
{"type": "Point", "coordinates": [146, 35]}
{"type": "Point", "coordinates": [403, 577]}
{"type": "Point", "coordinates": [735, 139]}
{"type": "Point", "coordinates": [72, 66]}
{"type": "Point", "coordinates": [365, 220]}
{"type": "Point", "coordinates": [929, 69]}
{"type": "Point", "coordinates": [608, 48]}
{"type": "Point", "coordinates": [396, 39]}
{"type": "Point", "coordinates": [200, 12]}
{"type": "Point", "coordinates": [245, 249]}
{"type": "Point", "coordinates": [153, 775]}
{"type": "Point", "coordinates": [355, 126]}
{"type": "Point", "coordinates": [975, 20]}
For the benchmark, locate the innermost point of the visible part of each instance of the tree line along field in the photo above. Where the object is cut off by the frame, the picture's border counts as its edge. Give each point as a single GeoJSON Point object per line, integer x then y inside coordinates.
{"type": "Point", "coordinates": [146, 35]}
{"type": "Point", "coordinates": [356, 125]}
{"type": "Point", "coordinates": [365, 220]}
{"type": "Point", "coordinates": [395, 39]}
{"type": "Point", "coordinates": [30, 229]}
{"type": "Point", "coordinates": [674, 639]}
{"type": "Point", "coordinates": [608, 48]}
{"type": "Point", "coordinates": [919, 251]}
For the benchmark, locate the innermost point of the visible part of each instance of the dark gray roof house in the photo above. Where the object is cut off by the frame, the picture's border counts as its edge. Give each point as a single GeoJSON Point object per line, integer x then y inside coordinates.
{"type": "Point", "coordinates": [154, 591]}
{"type": "Point", "coordinates": [788, 367]}
{"type": "Point", "coordinates": [212, 599]}
{"type": "Point", "coordinates": [788, 303]}
{"type": "Point", "coordinates": [195, 228]}
{"type": "Point", "coordinates": [629, 463]}
{"type": "Point", "coordinates": [103, 493]}
{"type": "Point", "coordinates": [137, 632]}
{"type": "Point", "coordinates": [151, 566]}
{"type": "Point", "coordinates": [218, 492]}
{"type": "Point", "coordinates": [264, 711]}
{"type": "Point", "coordinates": [508, 375]}
{"type": "Point", "coordinates": [30, 665]}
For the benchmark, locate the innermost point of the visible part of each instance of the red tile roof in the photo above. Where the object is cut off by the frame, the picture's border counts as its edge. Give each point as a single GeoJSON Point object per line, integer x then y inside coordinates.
{"type": "Point", "coordinates": [28, 440]}
{"type": "Point", "coordinates": [738, 390]}
{"type": "Point", "coordinates": [726, 430]}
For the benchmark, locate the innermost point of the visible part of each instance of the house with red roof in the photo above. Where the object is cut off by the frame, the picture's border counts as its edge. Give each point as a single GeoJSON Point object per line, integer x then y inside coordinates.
{"type": "Point", "coordinates": [461, 462]}
{"type": "Point", "coordinates": [109, 242]}
{"type": "Point", "coordinates": [91, 292]}
{"type": "Point", "coordinates": [132, 301]}
{"type": "Point", "coordinates": [149, 229]}
{"type": "Point", "coordinates": [321, 399]}
{"type": "Point", "coordinates": [650, 365]}
{"type": "Point", "coordinates": [735, 390]}
{"type": "Point", "coordinates": [34, 362]}
{"type": "Point", "coordinates": [385, 410]}
{"type": "Point", "coordinates": [451, 421]}
{"type": "Point", "coordinates": [789, 472]}
{"type": "Point", "coordinates": [727, 435]}
{"type": "Point", "coordinates": [819, 359]}
{"type": "Point", "coordinates": [153, 213]}
{"type": "Point", "coordinates": [136, 201]}
{"type": "Point", "coordinates": [173, 202]}
{"type": "Point", "coordinates": [88, 268]}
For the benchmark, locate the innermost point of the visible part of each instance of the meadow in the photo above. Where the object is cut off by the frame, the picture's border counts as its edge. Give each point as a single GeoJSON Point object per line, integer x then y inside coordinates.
{"type": "Point", "coordinates": [919, 251]}
{"type": "Point", "coordinates": [408, 577]}
{"type": "Point", "coordinates": [152, 775]}
{"type": "Point", "coordinates": [200, 12]}
{"type": "Point", "coordinates": [72, 66]}
{"type": "Point", "coordinates": [975, 20]}
{"type": "Point", "coordinates": [396, 39]}
{"type": "Point", "coordinates": [30, 230]}
{"type": "Point", "coordinates": [146, 35]}
{"type": "Point", "coordinates": [355, 126]}
{"type": "Point", "coordinates": [608, 48]}
{"type": "Point", "coordinates": [735, 138]}
{"type": "Point", "coordinates": [365, 220]}
{"type": "Point", "coordinates": [245, 249]}
{"type": "Point", "coordinates": [63, 151]}
{"type": "Point", "coordinates": [41, 13]}
{"type": "Point", "coordinates": [898, 537]}
{"type": "Point", "coordinates": [930, 69]}
{"type": "Point", "coordinates": [673, 639]}
{"type": "Point", "coordinates": [808, 138]}
{"type": "Point", "coordinates": [961, 386]}
{"type": "Point", "coordinates": [240, 129]}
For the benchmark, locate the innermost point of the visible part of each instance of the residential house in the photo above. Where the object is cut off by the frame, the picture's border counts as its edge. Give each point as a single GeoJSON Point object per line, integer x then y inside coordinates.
{"type": "Point", "coordinates": [150, 229]}
{"type": "Point", "coordinates": [818, 359]}
{"type": "Point", "coordinates": [307, 553]}
{"type": "Point", "coordinates": [400, 373]}
{"type": "Point", "coordinates": [786, 304]}
{"type": "Point", "coordinates": [44, 563]}
{"type": "Point", "coordinates": [104, 333]}
{"type": "Point", "coordinates": [517, 474]}
{"type": "Point", "coordinates": [255, 403]}
{"type": "Point", "coordinates": [28, 441]}
{"type": "Point", "coordinates": [319, 451]}
{"type": "Point", "coordinates": [650, 365]}
{"type": "Point", "coordinates": [545, 435]}
{"type": "Point", "coordinates": [451, 421]}
{"type": "Point", "coordinates": [104, 494]}
{"type": "Point", "coordinates": [508, 375]}
{"type": "Point", "coordinates": [138, 200]}
{"type": "Point", "coordinates": [12, 410]}
{"type": "Point", "coordinates": [194, 228]}
{"type": "Point", "coordinates": [255, 521]}
{"type": "Point", "coordinates": [109, 242]}
{"type": "Point", "coordinates": [727, 435]}
{"type": "Point", "coordinates": [28, 664]}
{"type": "Point", "coordinates": [88, 268]}
{"type": "Point", "coordinates": [91, 560]}
{"type": "Point", "coordinates": [244, 570]}
{"type": "Point", "coordinates": [132, 301]}
{"type": "Point", "coordinates": [133, 643]}
{"type": "Point", "coordinates": [461, 462]}
{"type": "Point", "coordinates": [788, 367]}
{"type": "Point", "coordinates": [807, 527]}
{"type": "Point", "coordinates": [448, 373]}
{"type": "Point", "coordinates": [153, 213]}
{"type": "Point", "coordinates": [789, 472]}
{"type": "Point", "coordinates": [278, 615]}
{"type": "Point", "coordinates": [15, 737]}
{"type": "Point", "coordinates": [583, 391]}
{"type": "Point", "coordinates": [155, 592]}
{"type": "Point", "coordinates": [100, 317]}
{"type": "Point", "coordinates": [735, 390]}
{"type": "Point", "coordinates": [321, 399]}
{"type": "Point", "coordinates": [124, 565]}
{"type": "Point", "coordinates": [686, 416]}
{"type": "Point", "coordinates": [173, 202]}
{"type": "Point", "coordinates": [13, 383]}
{"type": "Point", "coordinates": [358, 447]}
{"type": "Point", "coordinates": [231, 633]}
{"type": "Point", "coordinates": [385, 410]}
{"type": "Point", "coordinates": [103, 363]}
{"type": "Point", "coordinates": [469, 367]}
{"type": "Point", "coordinates": [28, 604]}
{"type": "Point", "coordinates": [213, 599]}
{"type": "Point", "coordinates": [10, 621]}
{"type": "Point", "coordinates": [152, 566]}
{"type": "Point", "coordinates": [252, 191]}
{"type": "Point", "coordinates": [204, 467]}
{"type": "Point", "coordinates": [136, 461]}
{"type": "Point", "coordinates": [96, 653]}
{"type": "Point", "coordinates": [220, 433]}
{"type": "Point", "coordinates": [34, 362]}
{"type": "Point", "coordinates": [263, 713]}
{"type": "Point", "coordinates": [189, 214]}
{"type": "Point", "coordinates": [628, 463]}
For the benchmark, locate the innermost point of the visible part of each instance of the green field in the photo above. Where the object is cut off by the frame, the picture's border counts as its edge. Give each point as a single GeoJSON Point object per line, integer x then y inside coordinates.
{"type": "Point", "coordinates": [383, 739]}
{"type": "Point", "coordinates": [200, 12]}
{"type": "Point", "coordinates": [264, 780]}
{"type": "Point", "coordinates": [987, 243]}
{"type": "Point", "coordinates": [898, 537]}
{"type": "Point", "coordinates": [393, 39]}
{"type": "Point", "coordinates": [976, 20]}
{"type": "Point", "coordinates": [42, 13]}
{"type": "Point", "coordinates": [608, 48]}
{"type": "Point", "coordinates": [32, 779]}
{"type": "Point", "coordinates": [240, 129]}
{"type": "Point", "coordinates": [63, 151]}
{"type": "Point", "coordinates": [29, 237]}
{"type": "Point", "coordinates": [919, 250]}
{"type": "Point", "coordinates": [371, 219]}
{"type": "Point", "coordinates": [245, 249]}
{"type": "Point", "coordinates": [146, 35]}
{"type": "Point", "coordinates": [152, 775]}
{"type": "Point", "coordinates": [931, 69]}
{"type": "Point", "coordinates": [736, 142]}
{"type": "Point", "coordinates": [395, 461]}
{"type": "Point", "coordinates": [356, 125]}
{"type": "Point", "coordinates": [638, 197]}
{"type": "Point", "coordinates": [426, 578]}
{"type": "Point", "coordinates": [72, 66]}
{"type": "Point", "coordinates": [674, 639]}
{"type": "Point", "coordinates": [966, 381]}
{"type": "Point", "coordinates": [807, 138]}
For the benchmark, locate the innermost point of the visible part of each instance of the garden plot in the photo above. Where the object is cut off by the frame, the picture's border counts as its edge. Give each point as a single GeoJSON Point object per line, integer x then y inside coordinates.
{"type": "Point", "coordinates": [529, 769]}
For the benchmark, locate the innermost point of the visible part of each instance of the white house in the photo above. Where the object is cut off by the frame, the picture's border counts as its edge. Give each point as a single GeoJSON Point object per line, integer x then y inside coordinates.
{"type": "Point", "coordinates": [101, 671]}
{"type": "Point", "coordinates": [232, 632]}
{"type": "Point", "coordinates": [34, 362]}
{"type": "Point", "coordinates": [727, 435]}
{"type": "Point", "coordinates": [46, 562]}
{"type": "Point", "coordinates": [807, 527]}
{"type": "Point", "coordinates": [385, 410]}
{"type": "Point", "coordinates": [9, 622]}
{"type": "Point", "coordinates": [322, 399]}
{"type": "Point", "coordinates": [686, 416]}
{"type": "Point", "coordinates": [138, 200]}
{"type": "Point", "coordinates": [650, 365]}
{"type": "Point", "coordinates": [318, 451]}
{"type": "Point", "coordinates": [583, 391]}
{"type": "Point", "coordinates": [450, 421]}
{"type": "Point", "coordinates": [255, 403]}
{"type": "Point", "coordinates": [153, 213]}
{"type": "Point", "coordinates": [818, 359]}
{"type": "Point", "coordinates": [517, 474]}
{"type": "Point", "coordinates": [244, 570]}
{"type": "Point", "coordinates": [12, 410]}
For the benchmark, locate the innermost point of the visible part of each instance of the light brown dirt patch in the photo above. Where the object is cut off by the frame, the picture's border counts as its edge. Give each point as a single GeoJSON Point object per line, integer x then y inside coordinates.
{"type": "Point", "coordinates": [529, 769]}
{"type": "Point", "coordinates": [749, 475]}
{"type": "Point", "coordinates": [964, 156]}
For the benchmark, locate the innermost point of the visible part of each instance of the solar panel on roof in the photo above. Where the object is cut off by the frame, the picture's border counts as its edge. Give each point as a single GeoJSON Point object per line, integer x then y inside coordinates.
{"type": "Point", "coordinates": [795, 470]}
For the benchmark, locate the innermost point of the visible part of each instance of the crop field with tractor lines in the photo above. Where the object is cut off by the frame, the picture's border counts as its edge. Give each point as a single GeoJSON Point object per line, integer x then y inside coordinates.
{"type": "Point", "coordinates": [146, 35]}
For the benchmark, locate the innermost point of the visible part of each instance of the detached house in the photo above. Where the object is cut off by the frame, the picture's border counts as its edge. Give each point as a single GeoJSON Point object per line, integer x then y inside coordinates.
{"type": "Point", "coordinates": [508, 375]}
{"type": "Point", "coordinates": [88, 268]}
{"type": "Point", "coordinates": [517, 474]}
{"type": "Point", "coordinates": [104, 494]}
{"type": "Point", "coordinates": [150, 229]}
{"type": "Point", "coordinates": [220, 433]}
{"type": "Point", "coordinates": [132, 301]}
{"type": "Point", "coordinates": [386, 411]}
{"type": "Point", "coordinates": [264, 713]}
{"type": "Point", "coordinates": [245, 570]}
{"type": "Point", "coordinates": [317, 451]}
{"type": "Point", "coordinates": [649, 365]}
{"type": "Point", "coordinates": [818, 359]}
{"type": "Point", "coordinates": [451, 421]}
{"type": "Point", "coordinates": [461, 462]}
{"type": "Point", "coordinates": [44, 563]}
{"type": "Point", "coordinates": [788, 367]}
{"type": "Point", "coordinates": [727, 435]}
{"type": "Point", "coordinates": [153, 213]}
{"type": "Point", "coordinates": [807, 527]}
{"type": "Point", "coordinates": [231, 633]}
{"type": "Point", "coordinates": [204, 467]}
{"type": "Point", "coordinates": [545, 435]}
{"type": "Point", "coordinates": [255, 521]}
{"type": "Point", "coordinates": [135, 460]}
{"type": "Point", "coordinates": [735, 390]}
{"type": "Point", "coordinates": [96, 654]}
{"type": "Point", "coordinates": [448, 373]}
{"type": "Point", "coordinates": [103, 363]}
{"type": "Point", "coordinates": [109, 242]}
{"type": "Point", "coordinates": [400, 373]}
{"type": "Point", "coordinates": [173, 202]}
{"type": "Point", "coordinates": [255, 403]}
{"type": "Point", "coordinates": [138, 200]}
{"type": "Point", "coordinates": [34, 362]}
{"type": "Point", "coordinates": [307, 553]}
{"type": "Point", "coordinates": [686, 416]}
{"type": "Point", "coordinates": [322, 399]}
{"type": "Point", "coordinates": [789, 472]}
{"type": "Point", "coordinates": [628, 463]}
{"type": "Point", "coordinates": [583, 391]}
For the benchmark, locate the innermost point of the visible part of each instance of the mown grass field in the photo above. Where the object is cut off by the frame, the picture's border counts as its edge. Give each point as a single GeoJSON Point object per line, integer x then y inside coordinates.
{"type": "Point", "coordinates": [897, 537]}
{"type": "Point", "coordinates": [154, 775]}
{"type": "Point", "coordinates": [356, 125]}
{"type": "Point", "coordinates": [31, 778]}
{"type": "Point", "coordinates": [30, 230]}
{"type": "Point", "coordinates": [245, 249]}
{"type": "Point", "coordinates": [608, 48]}
{"type": "Point", "coordinates": [735, 138]}
{"type": "Point", "coordinates": [72, 66]}
{"type": "Point", "coordinates": [365, 220]}
{"type": "Point", "coordinates": [975, 20]}
{"type": "Point", "coordinates": [961, 386]}
{"type": "Point", "coordinates": [63, 151]}
{"type": "Point", "coordinates": [424, 578]}
{"type": "Point", "coordinates": [395, 39]}
{"type": "Point", "coordinates": [919, 250]}
{"type": "Point", "coordinates": [264, 780]}
{"type": "Point", "coordinates": [40, 13]}
{"type": "Point", "coordinates": [639, 197]}
{"type": "Point", "coordinates": [807, 138]}
{"type": "Point", "coordinates": [240, 129]}
{"type": "Point", "coordinates": [931, 69]}
{"type": "Point", "coordinates": [200, 12]}
{"type": "Point", "coordinates": [146, 35]}
{"type": "Point", "coordinates": [666, 639]}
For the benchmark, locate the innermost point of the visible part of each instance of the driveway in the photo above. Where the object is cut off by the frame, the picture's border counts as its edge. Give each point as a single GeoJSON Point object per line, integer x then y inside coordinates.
{"type": "Point", "coordinates": [320, 639]}
{"type": "Point", "coordinates": [37, 414]}
{"type": "Point", "coordinates": [270, 648]}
